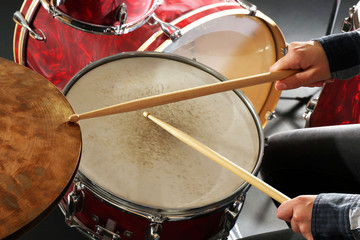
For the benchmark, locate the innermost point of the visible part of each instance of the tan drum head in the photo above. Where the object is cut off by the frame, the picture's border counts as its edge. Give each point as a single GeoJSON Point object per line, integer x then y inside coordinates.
{"type": "Point", "coordinates": [236, 45]}
{"type": "Point", "coordinates": [131, 158]}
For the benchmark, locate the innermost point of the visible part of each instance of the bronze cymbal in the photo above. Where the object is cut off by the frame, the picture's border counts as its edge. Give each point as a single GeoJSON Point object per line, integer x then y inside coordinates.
{"type": "Point", "coordinates": [39, 148]}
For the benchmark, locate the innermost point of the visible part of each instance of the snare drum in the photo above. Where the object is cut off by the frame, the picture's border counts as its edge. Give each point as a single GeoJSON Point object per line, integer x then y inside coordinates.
{"type": "Point", "coordinates": [231, 37]}
{"type": "Point", "coordinates": [137, 181]}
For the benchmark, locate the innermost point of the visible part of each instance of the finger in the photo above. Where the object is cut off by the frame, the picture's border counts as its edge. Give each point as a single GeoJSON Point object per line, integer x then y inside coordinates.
{"type": "Point", "coordinates": [309, 77]}
{"type": "Point", "coordinates": [285, 211]}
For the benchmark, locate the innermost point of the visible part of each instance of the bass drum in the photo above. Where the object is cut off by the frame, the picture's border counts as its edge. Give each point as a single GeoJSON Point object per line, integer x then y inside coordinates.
{"type": "Point", "coordinates": [232, 37]}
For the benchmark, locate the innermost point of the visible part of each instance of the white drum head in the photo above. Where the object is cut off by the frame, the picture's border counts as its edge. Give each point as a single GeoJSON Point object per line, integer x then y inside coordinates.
{"type": "Point", "coordinates": [132, 158]}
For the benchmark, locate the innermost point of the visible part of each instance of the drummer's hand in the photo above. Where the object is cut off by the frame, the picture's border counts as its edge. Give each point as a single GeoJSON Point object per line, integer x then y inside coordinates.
{"type": "Point", "coordinates": [298, 212]}
{"type": "Point", "coordinates": [308, 57]}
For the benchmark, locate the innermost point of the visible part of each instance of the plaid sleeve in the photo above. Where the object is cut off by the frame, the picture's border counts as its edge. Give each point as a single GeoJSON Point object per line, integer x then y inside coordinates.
{"type": "Point", "coordinates": [343, 53]}
{"type": "Point", "coordinates": [336, 216]}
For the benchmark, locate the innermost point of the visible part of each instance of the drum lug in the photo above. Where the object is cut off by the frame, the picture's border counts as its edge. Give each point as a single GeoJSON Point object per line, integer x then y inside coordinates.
{"type": "Point", "coordinates": [154, 229]}
{"type": "Point", "coordinates": [171, 31]}
{"type": "Point", "coordinates": [310, 107]}
{"type": "Point", "coordinates": [20, 20]}
{"type": "Point", "coordinates": [229, 217]}
{"type": "Point", "coordinates": [74, 199]}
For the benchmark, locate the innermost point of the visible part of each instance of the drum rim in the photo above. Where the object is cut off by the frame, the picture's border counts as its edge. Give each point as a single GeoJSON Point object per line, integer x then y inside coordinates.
{"type": "Point", "coordinates": [175, 213]}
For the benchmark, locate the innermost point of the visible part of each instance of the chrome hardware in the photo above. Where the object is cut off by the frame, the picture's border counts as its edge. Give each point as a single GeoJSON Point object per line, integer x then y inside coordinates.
{"type": "Point", "coordinates": [310, 107]}
{"type": "Point", "coordinates": [108, 232]}
{"type": "Point", "coordinates": [171, 31]}
{"type": "Point", "coordinates": [284, 50]}
{"type": "Point", "coordinates": [56, 3]}
{"type": "Point", "coordinates": [122, 14]}
{"type": "Point", "coordinates": [270, 115]}
{"type": "Point", "coordinates": [154, 229]}
{"type": "Point", "coordinates": [352, 22]}
{"type": "Point", "coordinates": [20, 20]}
{"type": "Point", "coordinates": [74, 199]}
{"type": "Point", "coordinates": [229, 218]}
{"type": "Point", "coordinates": [252, 8]}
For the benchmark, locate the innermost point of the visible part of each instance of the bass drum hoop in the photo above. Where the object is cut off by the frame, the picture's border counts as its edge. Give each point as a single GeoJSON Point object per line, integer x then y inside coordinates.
{"type": "Point", "coordinates": [169, 214]}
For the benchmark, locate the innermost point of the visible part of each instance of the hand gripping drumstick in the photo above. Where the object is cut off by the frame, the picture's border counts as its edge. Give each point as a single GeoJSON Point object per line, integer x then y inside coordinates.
{"type": "Point", "coordinates": [245, 175]}
{"type": "Point", "coordinates": [185, 94]}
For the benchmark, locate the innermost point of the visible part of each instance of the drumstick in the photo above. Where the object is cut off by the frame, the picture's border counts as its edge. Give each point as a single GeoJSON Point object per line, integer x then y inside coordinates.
{"type": "Point", "coordinates": [185, 94]}
{"type": "Point", "coordinates": [245, 175]}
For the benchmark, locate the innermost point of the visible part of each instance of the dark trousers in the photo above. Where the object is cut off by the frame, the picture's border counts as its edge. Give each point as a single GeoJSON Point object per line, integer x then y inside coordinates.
{"type": "Point", "coordinates": [311, 161]}
{"type": "Point", "coordinates": [314, 160]}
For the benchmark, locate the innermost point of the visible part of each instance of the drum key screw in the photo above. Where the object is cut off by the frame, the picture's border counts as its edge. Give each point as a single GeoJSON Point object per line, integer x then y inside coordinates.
{"type": "Point", "coordinates": [270, 115]}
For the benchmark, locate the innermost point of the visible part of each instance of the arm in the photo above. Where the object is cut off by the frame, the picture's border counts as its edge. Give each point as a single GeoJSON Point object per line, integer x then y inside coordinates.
{"type": "Point", "coordinates": [335, 56]}
{"type": "Point", "coordinates": [326, 216]}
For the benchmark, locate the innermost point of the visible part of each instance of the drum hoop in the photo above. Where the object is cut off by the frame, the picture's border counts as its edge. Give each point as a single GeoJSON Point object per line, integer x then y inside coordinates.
{"type": "Point", "coordinates": [177, 213]}
{"type": "Point", "coordinates": [96, 28]}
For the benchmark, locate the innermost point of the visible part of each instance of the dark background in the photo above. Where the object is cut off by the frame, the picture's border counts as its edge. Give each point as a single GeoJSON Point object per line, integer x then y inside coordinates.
{"type": "Point", "coordinates": [299, 20]}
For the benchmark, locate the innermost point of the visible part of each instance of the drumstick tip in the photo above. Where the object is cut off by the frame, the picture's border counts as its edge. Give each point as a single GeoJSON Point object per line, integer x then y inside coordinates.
{"type": "Point", "coordinates": [74, 118]}
{"type": "Point", "coordinates": [146, 114]}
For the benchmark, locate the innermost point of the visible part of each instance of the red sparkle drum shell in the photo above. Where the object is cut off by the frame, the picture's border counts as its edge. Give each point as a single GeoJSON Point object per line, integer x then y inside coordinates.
{"type": "Point", "coordinates": [135, 175]}
{"type": "Point", "coordinates": [224, 34]}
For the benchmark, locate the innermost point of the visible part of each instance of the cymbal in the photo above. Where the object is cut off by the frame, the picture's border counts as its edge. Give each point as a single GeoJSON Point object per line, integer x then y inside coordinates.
{"type": "Point", "coordinates": [39, 148]}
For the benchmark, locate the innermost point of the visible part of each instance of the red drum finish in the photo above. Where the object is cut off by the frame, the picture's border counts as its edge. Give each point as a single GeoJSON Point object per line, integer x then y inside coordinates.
{"type": "Point", "coordinates": [338, 104]}
{"type": "Point", "coordinates": [67, 50]}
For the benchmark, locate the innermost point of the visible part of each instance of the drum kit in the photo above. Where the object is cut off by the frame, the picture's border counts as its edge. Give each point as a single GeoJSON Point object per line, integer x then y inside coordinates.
{"type": "Point", "coordinates": [120, 176]}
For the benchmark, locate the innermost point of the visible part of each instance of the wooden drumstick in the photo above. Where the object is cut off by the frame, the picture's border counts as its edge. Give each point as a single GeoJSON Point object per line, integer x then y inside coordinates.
{"type": "Point", "coordinates": [176, 96]}
{"type": "Point", "coordinates": [245, 175]}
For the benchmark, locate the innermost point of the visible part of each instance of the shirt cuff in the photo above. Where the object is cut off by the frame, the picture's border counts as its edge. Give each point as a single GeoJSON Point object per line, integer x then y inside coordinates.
{"type": "Point", "coordinates": [333, 218]}
{"type": "Point", "coordinates": [343, 53]}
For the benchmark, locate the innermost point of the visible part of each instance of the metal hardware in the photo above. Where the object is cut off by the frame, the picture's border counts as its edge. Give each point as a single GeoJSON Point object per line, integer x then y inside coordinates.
{"type": "Point", "coordinates": [74, 199]}
{"type": "Point", "coordinates": [56, 3]}
{"type": "Point", "coordinates": [95, 218]}
{"type": "Point", "coordinates": [351, 22]}
{"type": "Point", "coordinates": [154, 229]}
{"type": "Point", "coordinates": [270, 115]}
{"type": "Point", "coordinates": [229, 218]}
{"type": "Point", "coordinates": [171, 31]}
{"type": "Point", "coordinates": [122, 14]}
{"type": "Point", "coordinates": [106, 233]}
{"type": "Point", "coordinates": [252, 8]}
{"type": "Point", "coordinates": [20, 20]}
{"type": "Point", "coordinates": [310, 107]}
{"type": "Point", "coordinates": [284, 50]}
